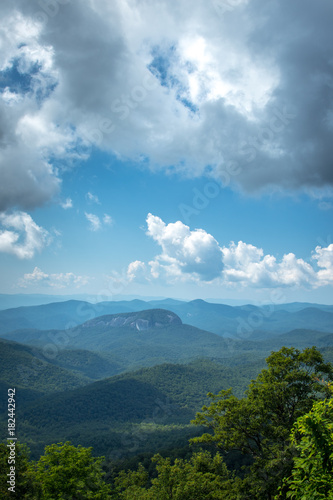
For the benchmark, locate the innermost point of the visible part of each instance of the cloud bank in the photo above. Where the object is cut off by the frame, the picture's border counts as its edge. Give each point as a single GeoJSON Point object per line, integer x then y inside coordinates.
{"type": "Point", "coordinates": [194, 255]}
{"type": "Point", "coordinates": [55, 280]}
{"type": "Point", "coordinates": [188, 87]}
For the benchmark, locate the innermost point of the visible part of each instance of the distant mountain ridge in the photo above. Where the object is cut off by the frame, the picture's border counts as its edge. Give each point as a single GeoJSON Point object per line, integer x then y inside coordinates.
{"type": "Point", "coordinates": [224, 320]}
{"type": "Point", "coordinates": [10, 301]}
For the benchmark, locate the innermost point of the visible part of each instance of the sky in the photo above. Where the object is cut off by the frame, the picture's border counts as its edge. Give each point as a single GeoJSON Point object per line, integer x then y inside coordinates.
{"type": "Point", "coordinates": [161, 148]}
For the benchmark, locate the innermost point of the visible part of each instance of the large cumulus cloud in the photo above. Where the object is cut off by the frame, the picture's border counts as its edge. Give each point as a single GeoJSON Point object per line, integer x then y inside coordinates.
{"type": "Point", "coordinates": [179, 85]}
{"type": "Point", "coordinates": [195, 256]}
{"type": "Point", "coordinates": [184, 252]}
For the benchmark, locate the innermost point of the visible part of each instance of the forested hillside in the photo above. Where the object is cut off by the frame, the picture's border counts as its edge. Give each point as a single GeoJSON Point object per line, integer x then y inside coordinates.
{"type": "Point", "coordinates": [281, 429]}
{"type": "Point", "coordinates": [130, 384]}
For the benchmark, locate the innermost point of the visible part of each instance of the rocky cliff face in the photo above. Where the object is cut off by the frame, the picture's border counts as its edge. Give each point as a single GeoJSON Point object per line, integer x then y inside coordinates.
{"type": "Point", "coordinates": [143, 320]}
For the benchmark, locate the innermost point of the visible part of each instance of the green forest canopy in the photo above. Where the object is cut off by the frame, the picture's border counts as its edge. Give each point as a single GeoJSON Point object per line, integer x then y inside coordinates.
{"type": "Point", "coordinates": [283, 425]}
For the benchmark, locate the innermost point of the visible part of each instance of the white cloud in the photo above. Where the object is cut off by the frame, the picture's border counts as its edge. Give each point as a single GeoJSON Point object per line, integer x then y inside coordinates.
{"type": "Point", "coordinates": [68, 203]}
{"type": "Point", "coordinates": [325, 205]}
{"type": "Point", "coordinates": [22, 236]}
{"type": "Point", "coordinates": [95, 223]}
{"type": "Point", "coordinates": [223, 90]}
{"type": "Point", "coordinates": [107, 219]}
{"type": "Point", "coordinates": [324, 259]}
{"type": "Point", "coordinates": [32, 132]}
{"type": "Point", "coordinates": [247, 265]}
{"type": "Point", "coordinates": [137, 271]}
{"type": "Point", "coordinates": [195, 255]}
{"type": "Point", "coordinates": [10, 97]}
{"type": "Point", "coordinates": [60, 280]}
{"type": "Point", "coordinates": [185, 253]}
{"type": "Point", "coordinates": [94, 220]}
{"type": "Point", "coordinates": [56, 232]}
{"type": "Point", "coordinates": [93, 198]}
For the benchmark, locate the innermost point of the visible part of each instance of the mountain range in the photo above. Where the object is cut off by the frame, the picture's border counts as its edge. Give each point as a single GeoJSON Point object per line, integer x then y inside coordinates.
{"type": "Point", "coordinates": [227, 321]}
{"type": "Point", "coordinates": [126, 377]}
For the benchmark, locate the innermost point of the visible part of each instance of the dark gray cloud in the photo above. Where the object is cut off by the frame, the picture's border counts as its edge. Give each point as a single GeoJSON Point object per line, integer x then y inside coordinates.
{"type": "Point", "coordinates": [249, 86]}
{"type": "Point", "coordinates": [27, 179]}
{"type": "Point", "coordinates": [299, 36]}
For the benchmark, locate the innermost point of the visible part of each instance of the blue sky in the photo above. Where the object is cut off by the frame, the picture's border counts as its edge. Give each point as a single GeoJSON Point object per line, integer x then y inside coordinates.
{"type": "Point", "coordinates": [154, 149]}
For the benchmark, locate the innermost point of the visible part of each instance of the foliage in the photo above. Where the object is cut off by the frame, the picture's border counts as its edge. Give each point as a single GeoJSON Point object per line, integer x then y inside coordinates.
{"type": "Point", "coordinates": [312, 474]}
{"type": "Point", "coordinates": [26, 367]}
{"type": "Point", "coordinates": [202, 477]}
{"type": "Point", "coordinates": [260, 423]}
{"type": "Point", "coordinates": [163, 396]}
{"type": "Point", "coordinates": [68, 472]}
{"type": "Point", "coordinates": [282, 431]}
{"type": "Point", "coordinates": [24, 483]}
{"type": "Point", "coordinates": [282, 427]}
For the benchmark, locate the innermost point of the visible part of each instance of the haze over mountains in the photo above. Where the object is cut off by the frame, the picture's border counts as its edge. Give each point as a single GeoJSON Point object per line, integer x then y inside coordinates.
{"type": "Point", "coordinates": [113, 343]}
{"type": "Point", "coordinates": [8, 301]}
{"type": "Point", "coordinates": [227, 321]}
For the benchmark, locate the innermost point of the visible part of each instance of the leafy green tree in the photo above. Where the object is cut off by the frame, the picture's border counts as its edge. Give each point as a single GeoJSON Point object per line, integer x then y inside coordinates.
{"type": "Point", "coordinates": [260, 424]}
{"type": "Point", "coordinates": [201, 477]}
{"type": "Point", "coordinates": [131, 484]}
{"type": "Point", "coordinates": [69, 472]}
{"type": "Point", "coordinates": [312, 474]}
{"type": "Point", "coordinates": [24, 481]}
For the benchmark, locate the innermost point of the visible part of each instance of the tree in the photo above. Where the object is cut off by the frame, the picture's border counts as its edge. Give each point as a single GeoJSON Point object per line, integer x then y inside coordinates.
{"type": "Point", "coordinates": [69, 472]}
{"type": "Point", "coordinates": [24, 482]}
{"type": "Point", "coordinates": [260, 424]}
{"type": "Point", "coordinates": [131, 484]}
{"type": "Point", "coordinates": [312, 435]}
{"type": "Point", "coordinates": [202, 477]}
